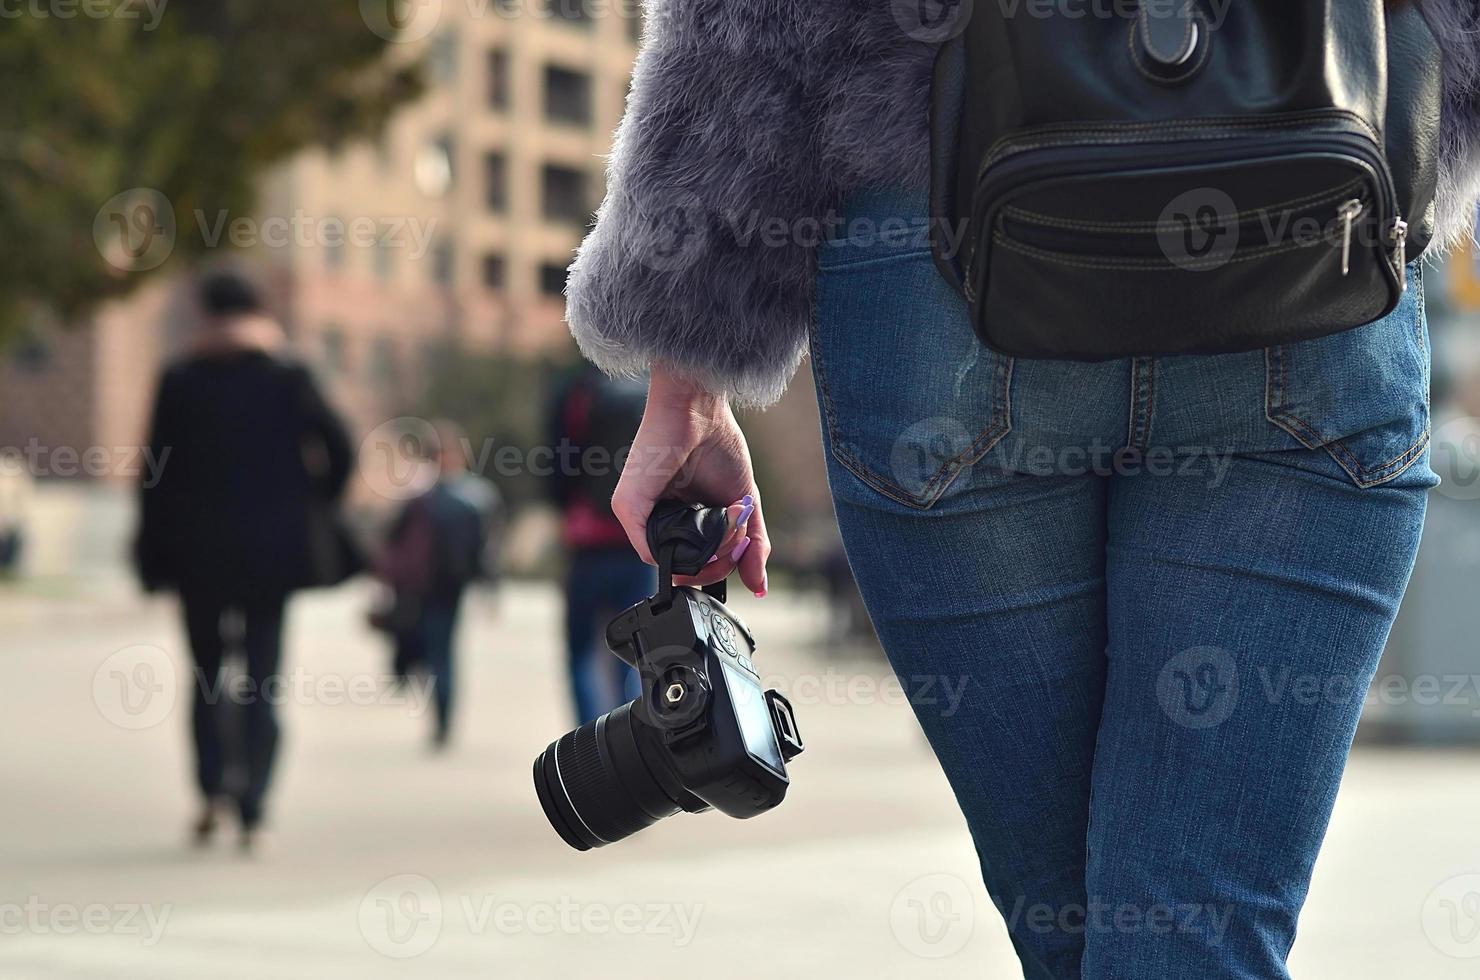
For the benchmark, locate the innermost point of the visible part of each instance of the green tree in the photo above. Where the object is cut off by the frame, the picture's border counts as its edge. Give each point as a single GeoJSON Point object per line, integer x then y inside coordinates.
{"type": "Point", "coordinates": [184, 102]}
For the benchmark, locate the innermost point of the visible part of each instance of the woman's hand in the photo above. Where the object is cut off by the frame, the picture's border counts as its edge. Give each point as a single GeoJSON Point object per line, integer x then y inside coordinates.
{"type": "Point", "coordinates": [689, 447]}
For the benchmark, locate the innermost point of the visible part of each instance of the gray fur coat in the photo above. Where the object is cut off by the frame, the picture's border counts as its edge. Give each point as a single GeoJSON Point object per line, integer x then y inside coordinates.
{"type": "Point", "coordinates": [748, 121]}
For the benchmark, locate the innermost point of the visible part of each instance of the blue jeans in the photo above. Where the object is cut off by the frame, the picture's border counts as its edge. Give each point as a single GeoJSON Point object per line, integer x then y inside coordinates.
{"type": "Point", "coordinates": [600, 584]}
{"type": "Point", "coordinates": [1160, 587]}
{"type": "Point", "coordinates": [435, 633]}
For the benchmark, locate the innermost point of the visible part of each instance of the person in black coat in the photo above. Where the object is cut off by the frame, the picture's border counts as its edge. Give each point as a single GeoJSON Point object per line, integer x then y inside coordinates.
{"type": "Point", "coordinates": [241, 515]}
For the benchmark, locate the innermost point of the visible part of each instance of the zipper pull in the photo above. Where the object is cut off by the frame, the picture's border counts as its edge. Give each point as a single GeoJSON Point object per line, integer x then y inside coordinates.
{"type": "Point", "coordinates": [1400, 242]}
{"type": "Point", "coordinates": [1348, 213]}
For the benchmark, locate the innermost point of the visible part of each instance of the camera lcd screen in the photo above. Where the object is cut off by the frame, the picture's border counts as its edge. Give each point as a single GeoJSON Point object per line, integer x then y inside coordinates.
{"type": "Point", "coordinates": [755, 719]}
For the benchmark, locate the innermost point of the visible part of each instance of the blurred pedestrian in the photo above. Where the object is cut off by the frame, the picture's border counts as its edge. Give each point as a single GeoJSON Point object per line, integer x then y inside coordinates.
{"type": "Point", "coordinates": [242, 514]}
{"type": "Point", "coordinates": [16, 488]}
{"type": "Point", "coordinates": [436, 547]}
{"type": "Point", "coordinates": [593, 420]}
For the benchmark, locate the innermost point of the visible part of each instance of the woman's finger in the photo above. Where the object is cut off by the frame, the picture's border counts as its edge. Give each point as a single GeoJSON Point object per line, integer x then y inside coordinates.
{"type": "Point", "coordinates": [632, 510]}
{"type": "Point", "coordinates": [752, 561]}
{"type": "Point", "coordinates": [737, 533]}
{"type": "Point", "coordinates": [645, 478]}
{"type": "Point", "coordinates": [713, 572]}
{"type": "Point", "coordinates": [732, 548]}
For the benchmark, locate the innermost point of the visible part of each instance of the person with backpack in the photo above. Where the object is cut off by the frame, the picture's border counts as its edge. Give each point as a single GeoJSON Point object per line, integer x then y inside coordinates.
{"type": "Point", "coordinates": [436, 547]}
{"type": "Point", "coordinates": [242, 513]}
{"type": "Point", "coordinates": [1118, 338]}
{"type": "Point", "coordinates": [593, 421]}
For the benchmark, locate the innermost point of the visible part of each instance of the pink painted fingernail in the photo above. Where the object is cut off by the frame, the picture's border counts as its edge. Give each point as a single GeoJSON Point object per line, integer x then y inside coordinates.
{"type": "Point", "coordinates": [747, 507]}
{"type": "Point", "coordinates": [739, 550]}
{"type": "Point", "coordinates": [761, 594]}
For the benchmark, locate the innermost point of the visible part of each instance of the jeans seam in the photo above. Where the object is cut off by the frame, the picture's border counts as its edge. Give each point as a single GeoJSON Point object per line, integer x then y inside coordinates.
{"type": "Point", "coordinates": [1130, 422]}
{"type": "Point", "coordinates": [850, 264]}
{"type": "Point", "coordinates": [1422, 308]}
{"type": "Point", "coordinates": [1138, 435]}
{"type": "Point", "coordinates": [1150, 403]}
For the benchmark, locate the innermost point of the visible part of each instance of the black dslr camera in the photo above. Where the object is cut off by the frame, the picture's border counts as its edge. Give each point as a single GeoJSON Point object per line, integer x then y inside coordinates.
{"type": "Point", "coordinates": [703, 734]}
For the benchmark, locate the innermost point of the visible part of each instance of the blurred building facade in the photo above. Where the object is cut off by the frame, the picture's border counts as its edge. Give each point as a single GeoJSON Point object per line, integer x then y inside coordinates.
{"type": "Point", "coordinates": [476, 198]}
{"type": "Point", "coordinates": [452, 233]}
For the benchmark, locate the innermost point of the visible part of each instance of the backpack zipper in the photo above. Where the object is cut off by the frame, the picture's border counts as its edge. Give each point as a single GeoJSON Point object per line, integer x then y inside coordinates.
{"type": "Point", "coordinates": [1348, 213]}
{"type": "Point", "coordinates": [1400, 243]}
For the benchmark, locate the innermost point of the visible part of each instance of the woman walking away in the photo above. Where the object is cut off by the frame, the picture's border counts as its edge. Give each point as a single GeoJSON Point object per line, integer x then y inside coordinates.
{"type": "Point", "coordinates": [1113, 446]}
{"type": "Point", "coordinates": [239, 518]}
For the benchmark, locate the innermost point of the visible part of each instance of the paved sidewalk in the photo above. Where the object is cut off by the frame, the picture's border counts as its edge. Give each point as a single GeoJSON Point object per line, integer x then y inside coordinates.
{"type": "Point", "coordinates": [388, 861]}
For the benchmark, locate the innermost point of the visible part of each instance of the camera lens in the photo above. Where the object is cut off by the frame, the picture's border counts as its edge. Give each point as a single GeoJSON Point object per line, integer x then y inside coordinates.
{"type": "Point", "coordinates": [597, 784]}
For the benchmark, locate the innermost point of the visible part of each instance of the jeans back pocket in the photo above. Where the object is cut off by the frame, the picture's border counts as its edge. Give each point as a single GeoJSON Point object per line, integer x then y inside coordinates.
{"type": "Point", "coordinates": [910, 397]}
{"type": "Point", "coordinates": [1361, 395]}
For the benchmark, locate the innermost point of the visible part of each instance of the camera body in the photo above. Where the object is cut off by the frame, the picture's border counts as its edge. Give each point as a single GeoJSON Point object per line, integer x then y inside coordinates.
{"type": "Point", "coordinates": [727, 739]}
{"type": "Point", "coordinates": [703, 734]}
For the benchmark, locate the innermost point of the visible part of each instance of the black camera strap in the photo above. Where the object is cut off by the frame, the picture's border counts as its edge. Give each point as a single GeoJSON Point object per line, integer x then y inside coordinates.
{"type": "Point", "coordinates": [683, 537]}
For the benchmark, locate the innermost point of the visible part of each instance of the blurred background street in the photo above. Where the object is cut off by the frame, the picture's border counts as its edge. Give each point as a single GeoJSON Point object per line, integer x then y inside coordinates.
{"type": "Point", "coordinates": [387, 859]}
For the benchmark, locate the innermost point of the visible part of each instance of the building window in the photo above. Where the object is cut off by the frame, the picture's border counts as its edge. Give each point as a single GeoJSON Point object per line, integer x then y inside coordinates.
{"type": "Point", "coordinates": [335, 231]}
{"type": "Point", "coordinates": [434, 167]}
{"type": "Point", "coordinates": [447, 146]}
{"type": "Point", "coordinates": [443, 261]}
{"type": "Point", "coordinates": [566, 198]}
{"type": "Point", "coordinates": [495, 271]}
{"type": "Point", "coordinates": [496, 182]}
{"type": "Point", "coordinates": [552, 278]}
{"type": "Point", "coordinates": [437, 357]}
{"type": "Point", "coordinates": [385, 264]}
{"type": "Point", "coordinates": [442, 57]}
{"type": "Point", "coordinates": [571, 11]}
{"type": "Point", "coordinates": [567, 96]}
{"type": "Point", "coordinates": [335, 350]}
{"type": "Point", "coordinates": [385, 366]}
{"type": "Point", "coordinates": [498, 79]}
{"type": "Point", "coordinates": [31, 354]}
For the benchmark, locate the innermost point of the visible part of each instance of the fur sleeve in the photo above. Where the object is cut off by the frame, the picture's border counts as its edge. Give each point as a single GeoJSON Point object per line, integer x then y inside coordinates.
{"type": "Point", "coordinates": [700, 257]}
{"type": "Point", "coordinates": [1456, 26]}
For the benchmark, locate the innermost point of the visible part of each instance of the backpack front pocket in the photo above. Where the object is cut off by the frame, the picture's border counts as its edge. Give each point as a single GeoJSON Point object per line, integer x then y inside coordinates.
{"type": "Point", "coordinates": [1180, 239]}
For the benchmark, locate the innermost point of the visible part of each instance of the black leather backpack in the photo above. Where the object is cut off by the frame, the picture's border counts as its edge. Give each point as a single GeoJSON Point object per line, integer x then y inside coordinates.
{"type": "Point", "coordinates": [1157, 177]}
